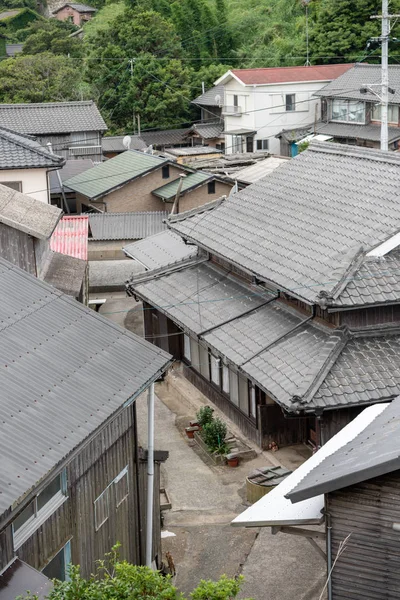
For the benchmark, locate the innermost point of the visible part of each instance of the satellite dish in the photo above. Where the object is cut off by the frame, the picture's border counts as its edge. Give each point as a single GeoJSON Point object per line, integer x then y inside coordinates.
{"type": "Point", "coordinates": [218, 100]}
{"type": "Point", "coordinates": [126, 142]}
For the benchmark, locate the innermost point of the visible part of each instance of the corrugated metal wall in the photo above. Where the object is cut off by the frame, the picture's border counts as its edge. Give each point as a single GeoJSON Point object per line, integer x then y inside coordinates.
{"type": "Point", "coordinates": [369, 568]}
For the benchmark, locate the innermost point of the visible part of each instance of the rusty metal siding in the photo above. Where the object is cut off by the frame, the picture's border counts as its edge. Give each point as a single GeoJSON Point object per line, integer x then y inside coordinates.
{"type": "Point", "coordinates": [369, 568]}
{"type": "Point", "coordinates": [18, 248]}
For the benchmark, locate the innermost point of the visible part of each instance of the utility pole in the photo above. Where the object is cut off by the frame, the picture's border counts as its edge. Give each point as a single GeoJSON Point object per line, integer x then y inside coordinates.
{"type": "Point", "coordinates": [384, 96]}
{"type": "Point", "coordinates": [306, 3]}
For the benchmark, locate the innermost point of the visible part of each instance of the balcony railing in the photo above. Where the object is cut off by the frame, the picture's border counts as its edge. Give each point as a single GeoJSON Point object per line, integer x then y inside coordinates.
{"type": "Point", "coordinates": [232, 111]}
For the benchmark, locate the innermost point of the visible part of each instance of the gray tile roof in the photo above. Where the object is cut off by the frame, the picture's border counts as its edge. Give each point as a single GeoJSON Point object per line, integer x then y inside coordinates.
{"type": "Point", "coordinates": [260, 169]}
{"type": "Point", "coordinates": [366, 371]}
{"type": "Point", "coordinates": [19, 151]}
{"type": "Point", "coordinates": [166, 137]}
{"type": "Point", "coordinates": [360, 132]}
{"type": "Point", "coordinates": [66, 273]}
{"type": "Point", "coordinates": [303, 366]}
{"type": "Point", "coordinates": [301, 227]}
{"type": "Point", "coordinates": [114, 173]}
{"type": "Point", "coordinates": [52, 117]}
{"type": "Point", "coordinates": [114, 143]}
{"type": "Point", "coordinates": [68, 371]}
{"type": "Point", "coordinates": [349, 84]}
{"type": "Point", "coordinates": [209, 130]}
{"type": "Point", "coordinates": [27, 214]}
{"type": "Point", "coordinates": [372, 453]}
{"type": "Point", "coordinates": [70, 169]}
{"type": "Point", "coordinates": [377, 281]}
{"type": "Point", "coordinates": [126, 226]}
{"type": "Point", "coordinates": [209, 97]}
{"type": "Point", "coordinates": [160, 250]}
{"type": "Point", "coordinates": [200, 297]}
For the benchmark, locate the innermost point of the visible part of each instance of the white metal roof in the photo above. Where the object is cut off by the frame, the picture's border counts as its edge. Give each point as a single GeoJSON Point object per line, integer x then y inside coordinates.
{"type": "Point", "coordinates": [275, 510]}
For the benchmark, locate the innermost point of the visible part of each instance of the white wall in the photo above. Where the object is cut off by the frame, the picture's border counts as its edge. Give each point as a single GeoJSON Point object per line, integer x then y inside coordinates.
{"type": "Point", "coordinates": [262, 109]}
{"type": "Point", "coordinates": [34, 181]}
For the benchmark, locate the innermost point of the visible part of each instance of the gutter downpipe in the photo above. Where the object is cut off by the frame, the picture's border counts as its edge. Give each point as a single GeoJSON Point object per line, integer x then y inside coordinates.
{"type": "Point", "coordinates": [329, 552]}
{"type": "Point", "coordinates": [150, 477]}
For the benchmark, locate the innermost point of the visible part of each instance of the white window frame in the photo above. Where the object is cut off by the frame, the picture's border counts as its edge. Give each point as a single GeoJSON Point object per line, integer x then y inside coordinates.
{"type": "Point", "coordinates": [215, 370]}
{"type": "Point", "coordinates": [186, 347]}
{"type": "Point", "coordinates": [225, 379]}
{"type": "Point", "coordinates": [348, 103]}
{"type": "Point", "coordinates": [123, 476]}
{"type": "Point", "coordinates": [234, 387]}
{"type": "Point", "coordinates": [252, 402]}
{"type": "Point", "coordinates": [293, 104]}
{"type": "Point", "coordinates": [109, 496]}
{"type": "Point", "coordinates": [39, 516]}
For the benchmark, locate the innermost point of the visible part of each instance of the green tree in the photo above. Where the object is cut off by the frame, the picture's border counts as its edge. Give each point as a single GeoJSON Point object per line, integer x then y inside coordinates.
{"type": "Point", "coordinates": [55, 78]}
{"type": "Point", "coordinates": [341, 29]}
{"type": "Point", "coordinates": [50, 36]}
{"type": "Point", "coordinates": [119, 580]}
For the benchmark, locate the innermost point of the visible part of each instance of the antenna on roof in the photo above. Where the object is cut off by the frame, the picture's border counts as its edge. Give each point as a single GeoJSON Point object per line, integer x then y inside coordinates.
{"type": "Point", "coordinates": [126, 142]}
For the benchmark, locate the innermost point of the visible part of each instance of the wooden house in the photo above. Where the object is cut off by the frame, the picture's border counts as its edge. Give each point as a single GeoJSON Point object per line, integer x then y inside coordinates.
{"type": "Point", "coordinates": [72, 478]}
{"type": "Point", "coordinates": [289, 321]}
{"type": "Point", "coordinates": [360, 483]}
{"type": "Point", "coordinates": [78, 14]}
{"type": "Point", "coordinates": [26, 229]}
{"type": "Point", "coordinates": [74, 129]}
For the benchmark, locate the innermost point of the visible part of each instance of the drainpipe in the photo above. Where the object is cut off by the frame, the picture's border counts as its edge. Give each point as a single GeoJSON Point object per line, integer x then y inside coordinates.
{"type": "Point", "coordinates": [139, 509]}
{"type": "Point", "coordinates": [329, 552]}
{"type": "Point", "coordinates": [150, 477]}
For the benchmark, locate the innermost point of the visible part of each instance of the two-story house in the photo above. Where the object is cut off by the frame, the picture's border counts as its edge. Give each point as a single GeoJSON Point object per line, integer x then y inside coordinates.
{"type": "Point", "coordinates": [259, 103]}
{"type": "Point", "coordinates": [74, 129]}
{"type": "Point", "coordinates": [351, 111]}
{"type": "Point", "coordinates": [289, 321]}
{"type": "Point", "coordinates": [74, 13]}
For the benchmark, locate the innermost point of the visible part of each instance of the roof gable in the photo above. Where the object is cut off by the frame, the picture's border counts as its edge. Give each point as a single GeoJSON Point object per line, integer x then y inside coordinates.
{"type": "Point", "coordinates": [68, 371]}
{"type": "Point", "coordinates": [190, 182]}
{"type": "Point", "coordinates": [18, 151]}
{"type": "Point", "coordinates": [114, 173]}
{"type": "Point", "coordinates": [301, 227]}
{"type": "Point", "coordinates": [52, 117]}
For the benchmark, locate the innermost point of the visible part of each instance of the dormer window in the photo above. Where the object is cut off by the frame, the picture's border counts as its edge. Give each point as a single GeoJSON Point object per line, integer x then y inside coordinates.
{"type": "Point", "coordinates": [350, 111]}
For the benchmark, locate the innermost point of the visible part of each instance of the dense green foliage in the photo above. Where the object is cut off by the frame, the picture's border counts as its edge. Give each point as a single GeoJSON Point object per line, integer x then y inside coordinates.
{"type": "Point", "coordinates": [119, 580]}
{"type": "Point", "coordinates": [214, 434]}
{"type": "Point", "coordinates": [205, 415]}
{"type": "Point", "coordinates": [148, 58]}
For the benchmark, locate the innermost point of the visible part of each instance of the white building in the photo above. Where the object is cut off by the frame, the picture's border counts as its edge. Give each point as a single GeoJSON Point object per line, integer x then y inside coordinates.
{"type": "Point", "coordinates": [24, 164]}
{"type": "Point", "coordinates": [260, 103]}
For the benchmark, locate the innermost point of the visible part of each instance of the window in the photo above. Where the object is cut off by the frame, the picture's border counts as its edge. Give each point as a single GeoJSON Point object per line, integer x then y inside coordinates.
{"type": "Point", "coordinates": [14, 185]}
{"type": "Point", "coordinates": [393, 113]}
{"type": "Point", "coordinates": [243, 395]}
{"type": "Point", "coordinates": [348, 110]}
{"type": "Point", "coordinates": [57, 568]}
{"type": "Point", "coordinates": [186, 347]}
{"type": "Point", "coordinates": [121, 484]}
{"type": "Point", "coordinates": [234, 387]}
{"type": "Point", "coordinates": [102, 508]}
{"type": "Point", "coordinates": [253, 404]}
{"type": "Point", "coordinates": [211, 187]}
{"type": "Point", "coordinates": [235, 101]}
{"type": "Point", "coordinates": [290, 102]}
{"type": "Point", "coordinates": [262, 144]}
{"type": "Point", "coordinates": [215, 370]}
{"type": "Point", "coordinates": [39, 509]}
{"type": "Point", "coordinates": [204, 366]}
{"type": "Point", "coordinates": [165, 172]}
{"type": "Point", "coordinates": [225, 379]}
{"type": "Point", "coordinates": [237, 144]}
{"type": "Point", "coordinates": [249, 143]}
{"type": "Point", "coordinates": [195, 354]}
{"type": "Point", "coordinates": [114, 494]}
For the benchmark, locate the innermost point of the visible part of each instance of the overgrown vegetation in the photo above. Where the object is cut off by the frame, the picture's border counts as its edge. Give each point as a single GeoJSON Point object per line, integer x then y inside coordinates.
{"type": "Point", "coordinates": [120, 580]}
{"type": "Point", "coordinates": [150, 57]}
{"type": "Point", "coordinates": [214, 433]}
{"type": "Point", "coordinates": [205, 415]}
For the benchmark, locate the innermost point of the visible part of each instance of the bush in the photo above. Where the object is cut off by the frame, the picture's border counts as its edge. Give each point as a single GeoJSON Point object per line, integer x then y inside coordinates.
{"type": "Point", "coordinates": [214, 435]}
{"type": "Point", "coordinates": [205, 415]}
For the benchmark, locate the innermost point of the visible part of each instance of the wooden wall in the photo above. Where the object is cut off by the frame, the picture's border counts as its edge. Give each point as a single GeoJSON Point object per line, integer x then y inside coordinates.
{"type": "Point", "coordinates": [370, 316]}
{"type": "Point", "coordinates": [18, 248]}
{"type": "Point", "coordinates": [88, 475]}
{"type": "Point", "coordinates": [275, 427]}
{"type": "Point", "coordinates": [369, 568]}
{"type": "Point", "coordinates": [332, 421]}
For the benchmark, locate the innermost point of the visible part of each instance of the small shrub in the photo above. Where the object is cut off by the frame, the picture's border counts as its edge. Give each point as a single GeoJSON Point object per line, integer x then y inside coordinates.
{"type": "Point", "coordinates": [224, 589]}
{"type": "Point", "coordinates": [214, 435]}
{"type": "Point", "coordinates": [205, 415]}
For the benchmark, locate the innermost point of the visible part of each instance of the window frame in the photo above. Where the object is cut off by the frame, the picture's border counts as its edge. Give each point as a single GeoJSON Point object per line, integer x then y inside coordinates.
{"type": "Point", "coordinates": [290, 102]}
{"type": "Point", "coordinates": [216, 369]}
{"type": "Point", "coordinates": [344, 102]}
{"type": "Point", "coordinates": [186, 350]}
{"type": "Point", "coordinates": [261, 145]}
{"type": "Point", "coordinates": [165, 174]}
{"type": "Point", "coordinates": [9, 184]}
{"type": "Point", "coordinates": [110, 495]}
